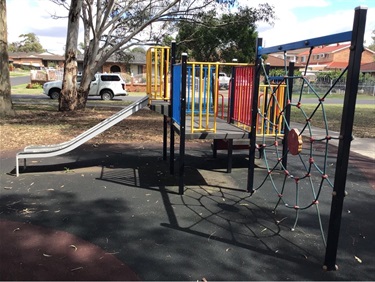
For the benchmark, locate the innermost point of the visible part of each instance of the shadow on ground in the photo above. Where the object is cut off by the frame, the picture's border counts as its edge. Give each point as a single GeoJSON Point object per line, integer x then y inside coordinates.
{"type": "Point", "coordinates": [123, 199]}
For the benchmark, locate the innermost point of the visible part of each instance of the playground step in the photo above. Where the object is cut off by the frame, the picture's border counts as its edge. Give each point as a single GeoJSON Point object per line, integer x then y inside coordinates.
{"type": "Point", "coordinates": [238, 144]}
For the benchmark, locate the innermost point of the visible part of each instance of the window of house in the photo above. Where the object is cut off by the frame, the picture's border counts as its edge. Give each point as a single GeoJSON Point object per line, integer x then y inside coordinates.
{"type": "Point", "coordinates": [140, 69]}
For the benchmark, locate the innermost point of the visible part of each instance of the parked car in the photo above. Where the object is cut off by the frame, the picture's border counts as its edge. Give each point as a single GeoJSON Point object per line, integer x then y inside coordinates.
{"type": "Point", "coordinates": [223, 80]}
{"type": "Point", "coordinates": [103, 84]}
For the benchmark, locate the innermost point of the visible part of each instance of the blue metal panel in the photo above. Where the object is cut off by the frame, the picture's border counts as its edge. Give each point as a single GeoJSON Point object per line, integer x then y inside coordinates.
{"type": "Point", "coordinates": [318, 41]}
{"type": "Point", "coordinates": [177, 73]}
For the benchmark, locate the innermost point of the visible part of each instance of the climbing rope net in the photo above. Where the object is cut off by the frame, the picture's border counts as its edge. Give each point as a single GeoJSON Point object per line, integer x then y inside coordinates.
{"type": "Point", "coordinates": [307, 147]}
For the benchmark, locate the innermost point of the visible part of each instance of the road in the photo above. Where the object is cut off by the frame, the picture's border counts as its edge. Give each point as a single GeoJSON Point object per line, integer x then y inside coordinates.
{"type": "Point", "coordinates": [19, 80]}
{"type": "Point", "coordinates": [26, 79]}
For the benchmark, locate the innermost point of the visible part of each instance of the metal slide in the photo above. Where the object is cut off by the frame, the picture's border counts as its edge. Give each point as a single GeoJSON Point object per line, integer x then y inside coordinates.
{"type": "Point", "coordinates": [45, 151]}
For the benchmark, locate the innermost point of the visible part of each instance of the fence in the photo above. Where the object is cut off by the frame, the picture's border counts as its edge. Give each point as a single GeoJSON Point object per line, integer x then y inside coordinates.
{"type": "Point", "coordinates": [42, 76]}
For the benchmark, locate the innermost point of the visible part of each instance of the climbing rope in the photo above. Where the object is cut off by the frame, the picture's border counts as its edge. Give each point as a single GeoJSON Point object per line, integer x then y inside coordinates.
{"type": "Point", "coordinates": [302, 142]}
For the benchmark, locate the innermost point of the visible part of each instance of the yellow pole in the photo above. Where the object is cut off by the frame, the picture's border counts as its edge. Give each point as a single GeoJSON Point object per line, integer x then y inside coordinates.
{"type": "Point", "coordinates": [192, 96]}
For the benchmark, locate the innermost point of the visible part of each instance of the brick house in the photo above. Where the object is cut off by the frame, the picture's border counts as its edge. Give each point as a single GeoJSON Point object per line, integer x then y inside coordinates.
{"type": "Point", "coordinates": [324, 58]}
{"type": "Point", "coordinates": [136, 64]}
{"type": "Point", "coordinates": [132, 71]}
{"type": "Point", "coordinates": [36, 60]}
{"type": "Point", "coordinates": [332, 57]}
{"type": "Point", "coordinates": [368, 68]}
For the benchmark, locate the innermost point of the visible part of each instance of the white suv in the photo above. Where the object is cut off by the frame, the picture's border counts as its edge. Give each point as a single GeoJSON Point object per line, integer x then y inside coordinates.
{"type": "Point", "coordinates": [103, 84]}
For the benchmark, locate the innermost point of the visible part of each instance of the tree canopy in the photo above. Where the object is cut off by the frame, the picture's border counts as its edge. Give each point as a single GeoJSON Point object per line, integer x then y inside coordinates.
{"type": "Point", "coordinates": [222, 37]}
{"type": "Point", "coordinates": [29, 43]}
{"type": "Point", "coordinates": [112, 26]}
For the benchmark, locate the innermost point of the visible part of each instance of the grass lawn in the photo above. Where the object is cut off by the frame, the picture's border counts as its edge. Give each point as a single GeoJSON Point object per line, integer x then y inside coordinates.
{"type": "Point", "coordinates": [364, 118]}
{"type": "Point", "coordinates": [21, 89]}
{"type": "Point", "coordinates": [39, 122]}
{"type": "Point", "coordinates": [19, 73]}
{"type": "Point", "coordinates": [338, 96]}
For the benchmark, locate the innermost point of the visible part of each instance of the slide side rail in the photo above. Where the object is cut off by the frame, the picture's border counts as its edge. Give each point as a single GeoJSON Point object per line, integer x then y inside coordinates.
{"type": "Point", "coordinates": [45, 151]}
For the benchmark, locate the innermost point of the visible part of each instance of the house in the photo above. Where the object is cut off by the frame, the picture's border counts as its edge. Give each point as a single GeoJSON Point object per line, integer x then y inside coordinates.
{"type": "Point", "coordinates": [331, 57]}
{"type": "Point", "coordinates": [34, 60]}
{"type": "Point", "coordinates": [135, 65]}
{"type": "Point", "coordinates": [132, 67]}
{"type": "Point", "coordinates": [368, 68]}
{"type": "Point", "coordinates": [277, 61]}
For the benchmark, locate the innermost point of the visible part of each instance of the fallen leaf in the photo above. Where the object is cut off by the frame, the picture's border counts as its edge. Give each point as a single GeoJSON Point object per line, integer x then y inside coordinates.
{"type": "Point", "coordinates": [358, 259]}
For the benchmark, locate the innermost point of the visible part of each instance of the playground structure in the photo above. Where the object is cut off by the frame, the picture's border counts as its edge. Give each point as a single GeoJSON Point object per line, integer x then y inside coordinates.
{"type": "Point", "coordinates": [260, 114]}
{"type": "Point", "coordinates": [187, 94]}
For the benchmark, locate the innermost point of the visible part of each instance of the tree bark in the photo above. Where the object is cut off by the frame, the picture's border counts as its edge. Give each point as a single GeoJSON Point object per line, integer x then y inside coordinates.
{"type": "Point", "coordinates": [68, 100]}
{"type": "Point", "coordinates": [6, 106]}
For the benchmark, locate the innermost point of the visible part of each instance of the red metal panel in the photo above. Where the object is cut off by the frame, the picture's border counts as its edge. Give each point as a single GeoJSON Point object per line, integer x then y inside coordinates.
{"type": "Point", "coordinates": [243, 96]}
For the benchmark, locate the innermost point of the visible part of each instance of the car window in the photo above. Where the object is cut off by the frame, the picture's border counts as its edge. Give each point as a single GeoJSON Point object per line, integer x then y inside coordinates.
{"type": "Point", "coordinates": [110, 78]}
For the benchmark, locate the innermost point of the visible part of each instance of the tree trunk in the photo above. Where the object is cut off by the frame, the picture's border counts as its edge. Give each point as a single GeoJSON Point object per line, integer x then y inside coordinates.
{"type": "Point", "coordinates": [88, 73]}
{"type": "Point", "coordinates": [68, 100]}
{"type": "Point", "coordinates": [6, 106]}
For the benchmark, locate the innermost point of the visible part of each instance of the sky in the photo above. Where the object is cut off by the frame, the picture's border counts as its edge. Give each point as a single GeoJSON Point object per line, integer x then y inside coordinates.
{"type": "Point", "coordinates": [296, 20]}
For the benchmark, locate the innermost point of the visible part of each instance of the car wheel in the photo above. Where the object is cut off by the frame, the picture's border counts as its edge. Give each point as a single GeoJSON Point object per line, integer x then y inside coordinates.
{"type": "Point", "coordinates": [106, 95]}
{"type": "Point", "coordinates": [54, 95]}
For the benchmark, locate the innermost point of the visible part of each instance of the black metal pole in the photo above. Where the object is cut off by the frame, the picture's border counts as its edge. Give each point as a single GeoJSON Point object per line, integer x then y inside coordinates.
{"type": "Point", "coordinates": [347, 119]}
{"type": "Point", "coordinates": [288, 109]}
{"type": "Point", "coordinates": [182, 124]}
{"type": "Point", "coordinates": [171, 145]}
{"type": "Point", "coordinates": [231, 97]}
{"type": "Point", "coordinates": [230, 155]}
{"type": "Point", "coordinates": [254, 113]}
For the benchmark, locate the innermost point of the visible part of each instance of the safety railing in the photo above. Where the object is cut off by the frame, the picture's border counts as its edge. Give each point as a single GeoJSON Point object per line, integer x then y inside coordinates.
{"type": "Point", "coordinates": [201, 97]}
{"type": "Point", "coordinates": [157, 70]}
{"type": "Point", "coordinates": [242, 96]}
{"type": "Point", "coordinates": [270, 104]}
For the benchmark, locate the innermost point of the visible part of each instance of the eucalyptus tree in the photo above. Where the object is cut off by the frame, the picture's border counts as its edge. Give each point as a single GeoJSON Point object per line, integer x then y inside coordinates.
{"type": "Point", "coordinates": [112, 26]}
{"type": "Point", "coordinates": [29, 43]}
{"type": "Point", "coordinates": [68, 99]}
{"type": "Point", "coordinates": [6, 107]}
{"type": "Point", "coordinates": [216, 36]}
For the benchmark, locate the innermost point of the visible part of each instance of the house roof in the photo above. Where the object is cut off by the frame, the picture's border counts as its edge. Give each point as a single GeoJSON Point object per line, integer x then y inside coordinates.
{"type": "Point", "coordinates": [337, 65]}
{"type": "Point", "coordinates": [43, 56]}
{"type": "Point", "coordinates": [138, 57]}
{"type": "Point", "coordinates": [326, 49]}
{"type": "Point", "coordinates": [369, 67]}
{"type": "Point", "coordinates": [274, 61]}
